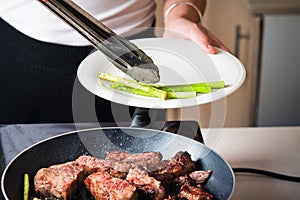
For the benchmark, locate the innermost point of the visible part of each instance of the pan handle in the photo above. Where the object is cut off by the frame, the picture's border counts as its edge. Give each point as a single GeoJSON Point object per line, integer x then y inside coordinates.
{"type": "Point", "coordinates": [146, 118]}
{"type": "Point", "coordinates": [189, 128]}
{"type": "Point", "coordinates": [141, 117]}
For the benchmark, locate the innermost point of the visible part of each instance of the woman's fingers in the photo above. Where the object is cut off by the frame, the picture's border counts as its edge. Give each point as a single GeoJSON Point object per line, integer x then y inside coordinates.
{"type": "Point", "coordinates": [206, 40]}
{"type": "Point", "coordinates": [197, 33]}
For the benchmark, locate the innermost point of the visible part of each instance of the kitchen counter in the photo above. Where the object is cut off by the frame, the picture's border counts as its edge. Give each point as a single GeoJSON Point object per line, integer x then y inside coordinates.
{"type": "Point", "coordinates": [274, 148]}
{"type": "Point", "coordinates": [273, 6]}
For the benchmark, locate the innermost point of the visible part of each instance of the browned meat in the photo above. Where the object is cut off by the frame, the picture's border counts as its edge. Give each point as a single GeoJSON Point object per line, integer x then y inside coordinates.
{"type": "Point", "coordinates": [196, 178]}
{"type": "Point", "coordinates": [148, 187]}
{"type": "Point", "coordinates": [200, 176]}
{"type": "Point", "coordinates": [171, 197]}
{"type": "Point", "coordinates": [189, 192]}
{"type": "Point", "coordinates": [179, 181]}
{"type": "Point", "coordinates": [61, 181]}
{"type": "Point", "coordinates": [105, 187]}
{"type": "Point", "coordinates": [125, 176]}
{"type": "Point", "coordinates": [117, 155]}
{"type": "Point", "coordinates": [91, 164]}
{"type": "Point", "coordinates": [146, 159]}
{"type": "Point", "coordinates": [168, 170]}
{"type": "Point", "coordinates": [120, 169]}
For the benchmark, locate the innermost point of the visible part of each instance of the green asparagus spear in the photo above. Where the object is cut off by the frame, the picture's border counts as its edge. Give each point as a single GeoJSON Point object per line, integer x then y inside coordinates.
{"type": "Point", "coordinates": [216, 84]}
{"type": "Point", "coordinates": [181, 95]}
{"type": "Point", "coordinates": [26, 186]}
{"type": "Point", "coordinates": [200, 88]}
{"type": "Point", "coordinates": [131, 90]}
{"type": "Point", "coordinates": [197, 87]}
{"type": "Point", "coordinates": [171, 95]}
{"type": "Point", "coordinates": [136, 85]}
{"type": "Point", "coordinates": [109, 77]}
{"type": "Point", "coordinates": [157, 90]}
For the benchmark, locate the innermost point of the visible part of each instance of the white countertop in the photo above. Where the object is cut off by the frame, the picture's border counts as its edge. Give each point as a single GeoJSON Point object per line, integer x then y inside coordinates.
{"type": "Point", "coordinates": [275, 149]}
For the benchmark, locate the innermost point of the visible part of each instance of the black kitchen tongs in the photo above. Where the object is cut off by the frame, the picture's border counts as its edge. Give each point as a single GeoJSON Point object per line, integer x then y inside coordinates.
{"type": "Point", "coordinates": [122, 53]}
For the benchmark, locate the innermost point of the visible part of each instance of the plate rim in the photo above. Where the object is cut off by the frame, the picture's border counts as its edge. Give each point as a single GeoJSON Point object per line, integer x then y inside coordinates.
{"type": "Point", "coordinates": [145, 102]}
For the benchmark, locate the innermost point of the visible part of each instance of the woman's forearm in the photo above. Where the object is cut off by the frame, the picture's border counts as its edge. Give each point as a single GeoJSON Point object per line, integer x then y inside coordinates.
{"type": "Point", "coordinates": [184, 10]}
{"type": "Point", "coordinates": [183, 17]}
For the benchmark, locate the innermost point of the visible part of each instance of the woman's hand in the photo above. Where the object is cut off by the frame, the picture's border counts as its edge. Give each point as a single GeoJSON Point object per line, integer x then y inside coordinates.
{"type": "Point", "coordinates": [195, 32]}
{"type": "Point", "coordinates": [183, 17]}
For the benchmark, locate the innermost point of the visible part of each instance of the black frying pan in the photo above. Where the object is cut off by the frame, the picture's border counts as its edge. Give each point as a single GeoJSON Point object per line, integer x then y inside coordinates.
{"type": "Point", "coordinates": [97, 142]}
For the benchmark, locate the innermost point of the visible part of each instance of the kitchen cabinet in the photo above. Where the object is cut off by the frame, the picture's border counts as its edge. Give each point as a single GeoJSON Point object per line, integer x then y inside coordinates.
{"type": "Point", "coordinates": [279, 65]}
{"type": "Point", "coordinates": [279, 96]}
{"type": "Point", "coordinates": [269, 50]}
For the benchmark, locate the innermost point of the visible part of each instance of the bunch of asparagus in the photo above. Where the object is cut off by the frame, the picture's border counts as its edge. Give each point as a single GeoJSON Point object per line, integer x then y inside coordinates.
{"type": "Point", "coordinates": [158, 90]}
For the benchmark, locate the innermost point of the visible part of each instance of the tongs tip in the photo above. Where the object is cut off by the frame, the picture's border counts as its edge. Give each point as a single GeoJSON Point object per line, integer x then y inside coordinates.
{"type": "Point", "coordinates": [147, 73]}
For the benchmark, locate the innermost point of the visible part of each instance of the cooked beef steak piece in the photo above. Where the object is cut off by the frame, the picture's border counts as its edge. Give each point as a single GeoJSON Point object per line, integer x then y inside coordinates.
{"type": "Point", "coordinates": [145, 159]}
{"type": "Point", "coordinates": [200, 176]}
{"type": "Point", "coordinates": [148, 187]}
{"type": "Point", "coordinates": [125, 176]}
{"type": "Point", "coordinates": [105, 187]}
{"type": "Point", "coordinates": [171, 197]}
{"type": "Point", "coordinates": [117, 155]}
{"type": "Point", "coordinates": [120, 169]}
{"type": "Point", "coordinates": [196, 178]}
{"type": "Point", "coordinates": [92, 164]}
{"type": "Point", "coordinates": [190, 192]}
{"type": "Point", "coordinates": [168, 170]}
{"type": "Point", "coordinates": [61, 181]}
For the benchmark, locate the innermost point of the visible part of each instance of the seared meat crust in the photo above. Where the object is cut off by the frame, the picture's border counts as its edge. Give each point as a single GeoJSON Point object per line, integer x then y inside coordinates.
{"type": "Point", "coordinates": [105, 187]}
{"type": "Point", "coordinates": [146, 159]}
{"type": "Point", "coordinates": [125, 176]}
{"type": "Point", "coordinates": [92, 164]}
{"type": "Point", "coordinates": [190, 192]}
{"type": "Point", "coordinates": [115, 168]}
{"type": "Point", "coordinates": [148, 187]}
{"type": "Point", "coordinates": [61, 181]}
{"type": "Point", "coordinates": [200, 176]}
{"type": "Point", "coordinates": [168, 170]}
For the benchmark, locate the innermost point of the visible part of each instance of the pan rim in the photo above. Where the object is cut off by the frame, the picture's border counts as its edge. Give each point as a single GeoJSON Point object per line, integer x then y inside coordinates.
{"type": "Point", "coordinates": [103, 128]}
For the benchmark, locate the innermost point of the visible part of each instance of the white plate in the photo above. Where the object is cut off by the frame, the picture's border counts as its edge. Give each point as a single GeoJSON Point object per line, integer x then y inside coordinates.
{"type": "Point", "coordinates": [179, 62]}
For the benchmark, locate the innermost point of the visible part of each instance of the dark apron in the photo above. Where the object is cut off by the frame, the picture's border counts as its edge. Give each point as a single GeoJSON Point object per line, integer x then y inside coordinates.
{"type": "Point", "coordinates": [37, 79]}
